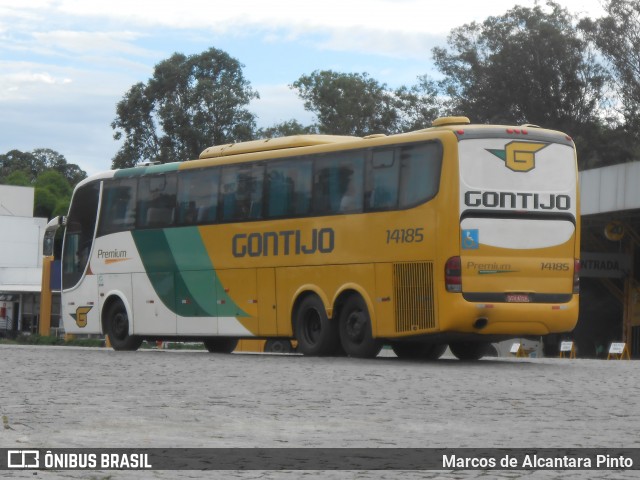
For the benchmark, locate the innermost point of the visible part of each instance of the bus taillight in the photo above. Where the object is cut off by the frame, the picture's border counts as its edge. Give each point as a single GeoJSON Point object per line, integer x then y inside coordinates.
{"type": "Point", "coordinates": [576, 276]}
{"type": "Point", "coordinates": [453, 275]}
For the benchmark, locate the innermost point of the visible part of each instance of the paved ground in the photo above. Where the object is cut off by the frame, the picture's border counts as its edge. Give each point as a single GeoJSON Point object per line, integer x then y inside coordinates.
{"type": "Point", "coordinates": [89, 397]}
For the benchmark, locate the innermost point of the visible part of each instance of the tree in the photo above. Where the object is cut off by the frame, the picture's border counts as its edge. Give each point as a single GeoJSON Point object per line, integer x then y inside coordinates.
{"type": "Point", "coordinates": [347, 103]}
{"type": "Point", "coordinates": [52, 194]}
{"type": "Point", "coordinates": [46, 159]}
{"type": "Point", "coordinates": [47, 171]}
{"type": "Point", "coordinates": [526, 66]}
{"type": "Point", "coordinates": [617, 36]}
{"type": "Point", "coordinates": [285, 129]}
{"type": "Point", "coordinates": [34, 163]}
{"type": "Point", "coordinates": [190, 103]}
{"type": "Point", "coordinates": [15, 160]}
{"type": "Point", "coordinates": [418, 105]}
{"type": "Point", "coordinates": [18, 178]}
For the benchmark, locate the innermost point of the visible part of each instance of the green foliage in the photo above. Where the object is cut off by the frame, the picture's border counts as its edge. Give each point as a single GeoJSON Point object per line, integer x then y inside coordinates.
{"type": "Point", "coordinates": [52, 194]}
{"type": "Point", "coordinates": [38, 340]}
{"type": "Point", "coordinates": [47, 171]}
{"type": "Point", "coordinates": [190, 103]}
{"type": "Point", "coordinates": [285, 129]}
{"type": "Point", "coordinates": [347, 103]}
{"type": "Point", "coordinates": [355, 104]}
{"type": "Point", "coordinates": [18, 178]}
{"type": "Point", "coordinates": [617, 36]}
{"type": "Point", "coordinates": [47, 340]}
{"type": "Point", "coordinates": [419, 105]}
{"type": "Point", "coordinates": [55, 183]}
{"type": "Point", "coordinates": [36, 162]}
{"type": "Point", "coordinates": [44, 203]}
{"type": "Point", "coordinates": [526, 66]}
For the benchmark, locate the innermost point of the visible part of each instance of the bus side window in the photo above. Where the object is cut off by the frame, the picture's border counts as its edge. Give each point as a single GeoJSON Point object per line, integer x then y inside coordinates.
{"type": "Point", "coordinates": [242, 192]}
{"type": "Point", "coordinates": [156, 201]}
{"type": "Point", "coordinates": [383, 174]}
{"type": "Point", "coordinates": [118, 211]}
{"type": "Point", "coordinates": [337, 183]}
{"type": "Point", "coordinates": [420, 173]}
{"type": "Point", "coordinates": [198, 196]}
{"type": "Point", "coordinates": [289, 188]}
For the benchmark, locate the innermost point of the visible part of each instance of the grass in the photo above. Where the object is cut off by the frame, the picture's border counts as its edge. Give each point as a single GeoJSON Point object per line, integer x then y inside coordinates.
{"type": "Point", "coordinates": [44, 340]}
{"type": "Point", "coordinates": [89, 342]}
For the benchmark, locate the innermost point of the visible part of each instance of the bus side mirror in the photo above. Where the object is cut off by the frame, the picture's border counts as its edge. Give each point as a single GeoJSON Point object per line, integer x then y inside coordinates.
{"type": "Point", "coordinates": [50, 233]}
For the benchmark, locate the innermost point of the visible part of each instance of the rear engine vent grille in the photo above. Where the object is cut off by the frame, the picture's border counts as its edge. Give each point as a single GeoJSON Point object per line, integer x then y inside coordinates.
{"type": "Point", "coordinates": [414, 301]}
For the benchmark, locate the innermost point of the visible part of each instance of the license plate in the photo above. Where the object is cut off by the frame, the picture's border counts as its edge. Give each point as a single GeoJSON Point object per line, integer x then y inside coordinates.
{"type": "Point", "coordinates": [518, 298]}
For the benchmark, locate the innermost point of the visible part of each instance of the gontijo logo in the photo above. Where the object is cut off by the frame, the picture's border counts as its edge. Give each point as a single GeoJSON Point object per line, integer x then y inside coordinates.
{"type": "Point", "coordinates": [81, 316]}
{"type": "Point", "coordinates": [519, 156]}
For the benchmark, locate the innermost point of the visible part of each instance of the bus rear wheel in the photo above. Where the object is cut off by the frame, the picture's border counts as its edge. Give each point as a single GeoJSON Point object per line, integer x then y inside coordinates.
{"type": "Point", "coordinates": [469, 351]}
{"type": "Point", "coordinates": [316, 334]}
{"type": "Point", "coordinates": [220, 344]}
{"type": "Point", "coordinates": [355, 329]}
{"type": "Point", "coordinates": [418, 350]}
{"type": "Point", "coordinates": [118, 329]}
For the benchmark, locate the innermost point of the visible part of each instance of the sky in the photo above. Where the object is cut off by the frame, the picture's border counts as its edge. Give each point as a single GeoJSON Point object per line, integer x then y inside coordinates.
{"type": "Point", "coordinates": [65, 64]}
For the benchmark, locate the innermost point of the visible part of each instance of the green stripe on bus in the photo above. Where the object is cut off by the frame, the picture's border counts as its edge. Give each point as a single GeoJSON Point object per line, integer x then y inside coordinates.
{"type": "Point", "coordinates": [198, 274]}
{"type": "Point", "coordinates": [198, 290]}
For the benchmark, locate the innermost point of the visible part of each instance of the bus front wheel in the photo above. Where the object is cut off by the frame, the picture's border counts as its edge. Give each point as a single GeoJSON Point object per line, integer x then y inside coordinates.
{"type": "Point", "coordinates": [469, 351]}
{"type": "Point", "coordinates": [118, 329]}
{"type": "Point", "coordinates": [316, 334]}
{"type": "Point", "coordinates": [355, 329]}
{"type": "Point", "coordinates": [220, 344]}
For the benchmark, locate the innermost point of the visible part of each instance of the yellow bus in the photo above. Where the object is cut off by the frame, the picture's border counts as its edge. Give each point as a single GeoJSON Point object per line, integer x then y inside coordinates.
{"type": "Point", "coordinates": [455, 235]}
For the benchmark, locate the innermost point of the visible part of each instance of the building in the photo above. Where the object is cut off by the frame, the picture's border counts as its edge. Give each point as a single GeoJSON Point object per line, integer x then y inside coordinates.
{"type": "Point", "coordinates": [21, 237]}
{"type": "Point", "coordinates": [610, 254]}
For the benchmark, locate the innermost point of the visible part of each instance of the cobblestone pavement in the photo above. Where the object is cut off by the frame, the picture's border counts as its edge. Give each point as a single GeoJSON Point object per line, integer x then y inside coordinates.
{"type": "Point", "coordinates": [64, 397]}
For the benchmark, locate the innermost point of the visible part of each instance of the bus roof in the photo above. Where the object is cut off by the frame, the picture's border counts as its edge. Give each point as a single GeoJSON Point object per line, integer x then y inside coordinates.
{"type": "Point", "coordinates": [453, 124]}
{"type": "Point", "coordinates": [280, 143]}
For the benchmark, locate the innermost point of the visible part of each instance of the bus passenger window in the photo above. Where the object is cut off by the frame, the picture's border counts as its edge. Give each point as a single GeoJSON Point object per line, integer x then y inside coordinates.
{"type": "Point", "coordinates": [289, 188]}
{"type": "Point", "coordinates": [337, 183]}
{"type": "Point", "coordinates": [242, 192]}
{"type": "Point", "coordinates": [118, 211]}
{"type": "Point", "coordinates": [156, 201]}
{"type": "Point", "coordinates": [383, 174]}
{"type": "Point", "coordinates": [420, 173]}
{"type": "Point", "coordinates": [198, 196]}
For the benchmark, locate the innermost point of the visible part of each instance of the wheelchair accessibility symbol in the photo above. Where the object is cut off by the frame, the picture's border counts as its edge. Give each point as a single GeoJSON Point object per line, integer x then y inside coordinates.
{"type": "Point", "coordinates": [470, 239]}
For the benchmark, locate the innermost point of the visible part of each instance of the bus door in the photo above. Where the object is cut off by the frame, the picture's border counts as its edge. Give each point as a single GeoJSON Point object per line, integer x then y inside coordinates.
{"type": "Point", "coordinates": [80, 313]}
{"type": "Point", "coordinates": [517, 219]}
{"type": "Point", "coordinates": [80, 309]}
